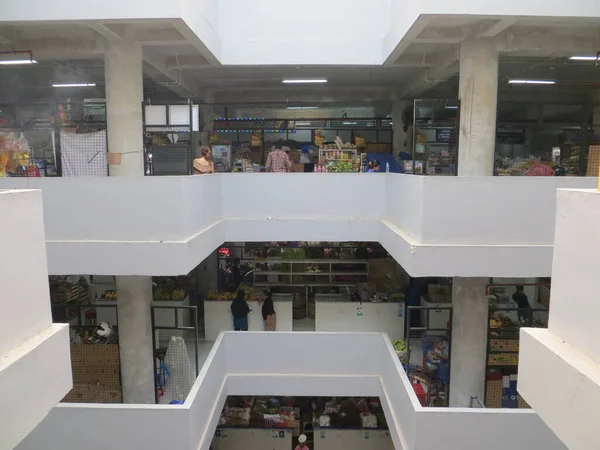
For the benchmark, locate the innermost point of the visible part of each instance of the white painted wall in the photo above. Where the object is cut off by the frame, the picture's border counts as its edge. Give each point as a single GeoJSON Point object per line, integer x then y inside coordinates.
{"type": "Point", "coordinates": [338, 316]}
{"type": "Point", "coordinates": [493, 210]}
{"type": "Point", "coordinates": [35, 368]}
{"type": "Point", "coordinates": [546, 361]}
{"type": "Point", "coordinates": [24, 271]}
{"type": "Point", "coordinates": [339, 364]}
{"type": "Point", "coordinates": [314, 32]}
{"type": "Point", "coordinates": [433, 226]}
{"type": "Point", "coordinates": [574, 312]}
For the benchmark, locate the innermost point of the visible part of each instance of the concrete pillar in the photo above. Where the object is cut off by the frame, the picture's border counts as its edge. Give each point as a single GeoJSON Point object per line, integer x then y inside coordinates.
{"type": "Point", "coordinates": [401, 140]}
{"type": "Point", "coordinates": [478, 94]}
{"type": "Point", "coordinates": [134, 296]}
{"type": "Point", "coordinates": [124, 94]}
{"type": "Point", "coordinates": [469, 340]}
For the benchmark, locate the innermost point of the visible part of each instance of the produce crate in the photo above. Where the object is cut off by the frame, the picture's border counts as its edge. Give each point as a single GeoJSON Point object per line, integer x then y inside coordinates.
{"type": "Point", "coordinates": [94, 393]}
{"type": "Point", "coordinates": [63, 292]}
{"type": "Point", "coordinates": [493, 395]}
{"type": "Point", "coordinates": [503, 359]}
{"type": "Point", "coordinates": [504, 345]}
{"type": "Point", "coordinates": [96, 364]}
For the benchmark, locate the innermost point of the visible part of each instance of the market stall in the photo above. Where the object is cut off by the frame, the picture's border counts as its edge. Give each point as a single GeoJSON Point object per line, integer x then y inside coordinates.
{"type": "Point", "coordinates": [256, 422]}
{"type": "Point", "coordinates": [167, 292]}
{"type": "Point", "coordinates": [328, 423]}
{"type": "Point", "coordinates": [218, 317]}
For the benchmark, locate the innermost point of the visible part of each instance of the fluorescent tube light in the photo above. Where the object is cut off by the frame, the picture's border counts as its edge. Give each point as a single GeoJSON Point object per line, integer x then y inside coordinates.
{"type": "Point", "coordinates": [303, 80]}
{"type": "Point", "coordinates": [349, 123]}
{"type": "Point", "coordinates": [74, 85]}
{"type": "Point", "coordinates": [531, 82]}
{"type": "Point", "coordinates": [451, 107]}
{"type": "Point", "coordinates": [302, 107]}
{"type": "Point", "coordinates": [17, 57]}
{"type": "Point", "coordinates": [302, 124]}
{"type": "Point", "coordinates": [16, 62]}
{"type": "Point", "coordinates": [583, 58]}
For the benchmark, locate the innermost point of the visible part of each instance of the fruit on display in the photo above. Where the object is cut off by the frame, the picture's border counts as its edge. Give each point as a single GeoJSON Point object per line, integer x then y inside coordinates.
{"type": "Point", "coordinates": [399, 345]}
{"type": "Point", "coordinates": [178, 294]}
{"type": "Point", "coordinates": [110, 294]}
{"type": "Point", "coordinates": [214, 295]}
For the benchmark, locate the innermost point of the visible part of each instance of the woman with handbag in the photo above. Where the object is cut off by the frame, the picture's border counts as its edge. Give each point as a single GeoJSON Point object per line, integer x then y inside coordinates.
{"type": "Point", "coordinates": [205, 163]}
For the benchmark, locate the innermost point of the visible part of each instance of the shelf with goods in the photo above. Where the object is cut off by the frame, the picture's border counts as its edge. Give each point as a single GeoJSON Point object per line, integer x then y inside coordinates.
{"type": "Point", "coordinates": [166, 292]}
{"type": "Point", "coordinates": [433, 157]}
{"type": "Point", "coordinates": [310, 272]}
{"type": "Point", "coordinates": [502, 359]}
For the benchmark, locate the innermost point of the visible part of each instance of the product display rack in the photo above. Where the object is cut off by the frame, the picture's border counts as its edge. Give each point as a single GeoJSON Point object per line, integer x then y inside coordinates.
{"type": "Point", "coordinates": [502, 357]}
{"type": "Point", "coordinates": [336, 154]}
{"type": "Point", "coordinates": [435, 146]}
{"type": "Point", "coordinates": [323, 269]}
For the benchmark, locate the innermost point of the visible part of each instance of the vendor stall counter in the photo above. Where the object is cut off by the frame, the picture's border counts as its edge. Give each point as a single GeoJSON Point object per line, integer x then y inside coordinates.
{"type": "Point", "coordinates": [338, 314]}
{"type": "Point", "coordinates": [363, 439]}
{"type": "Point", "coordinates": [252, 438]}
{"type": "Point", "coordinates": [217, 315]}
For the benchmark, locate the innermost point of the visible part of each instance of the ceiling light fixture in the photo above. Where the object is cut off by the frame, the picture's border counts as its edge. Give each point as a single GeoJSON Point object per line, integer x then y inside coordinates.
{"type": "Point", "coordinates": [451, 107]}
{"type": "Point", "coordinates": [14, 58]}
{"type": "Point", "coordinates": [349, 123]}
{"type": "Point", "coordinates": [302, 124]}
{"type": "Point", "coordinates": [583, 58]}
{"type": "Point", "coordinates": [74, 85]}
{"type": "Point", "coordinates": [303, 80]}
{"type": "Point", "coordinates": [302, 107]}
{"type": "Point", "coordinates": [531, 82]}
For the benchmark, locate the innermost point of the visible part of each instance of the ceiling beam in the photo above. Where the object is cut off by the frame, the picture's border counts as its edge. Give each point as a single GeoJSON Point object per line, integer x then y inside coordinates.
{"type": "Point", "coordinates": [314, 95]}
{"type": "Point", "coordinates": [193, 39]}
{"type": "Point", "coordinates": [179, 81]}
{"type": "Point", "coordinates": [454, 35]}
{"type": "Point", "coordinates": [548, 43]}
{"type": "Point", "coordinates": [54, 48]}
{"type": "Point", "coordinates": [106, 32]}
{"type": "Point", "coordinates": [496, 27]}
{"type": "Point", "coordinates": [446, 67]}
{"type": "Point", "coordinates": [405, 42]}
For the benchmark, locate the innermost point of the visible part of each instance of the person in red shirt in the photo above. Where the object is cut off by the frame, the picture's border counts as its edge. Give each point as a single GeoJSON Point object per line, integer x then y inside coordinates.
{"type": "Point", "coordinates": [278, 160]}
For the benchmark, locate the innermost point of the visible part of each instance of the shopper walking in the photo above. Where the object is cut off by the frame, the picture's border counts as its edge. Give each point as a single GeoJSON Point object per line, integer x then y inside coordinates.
{"type": "Point", "coordinates": [268, 313]}
{"type": "Point", "coordinates": [205, 163]}
{"type": "Point", "coordinates": [239, 311]}
{"type": "Point", "coordinates": [520, 297]}
{"type": "Point", "coordinates": [278, 160]}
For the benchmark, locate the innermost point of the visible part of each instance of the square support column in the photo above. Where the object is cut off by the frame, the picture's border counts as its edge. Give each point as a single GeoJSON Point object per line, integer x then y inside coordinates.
{"type": "Point", "coordinates": [469, 340]}
{"type": "Point", "coordinates": [478, 94]}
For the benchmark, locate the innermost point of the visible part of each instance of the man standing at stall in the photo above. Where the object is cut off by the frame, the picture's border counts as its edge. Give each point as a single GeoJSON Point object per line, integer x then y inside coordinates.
{"type": "Point", "coordinates": [278, 160]}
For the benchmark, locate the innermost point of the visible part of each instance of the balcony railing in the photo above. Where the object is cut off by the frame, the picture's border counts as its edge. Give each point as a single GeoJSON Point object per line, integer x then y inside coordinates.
{"type": "Point", "coordinates": [293, 364]}
{"type": "Point", "coordinates": [443, 226]}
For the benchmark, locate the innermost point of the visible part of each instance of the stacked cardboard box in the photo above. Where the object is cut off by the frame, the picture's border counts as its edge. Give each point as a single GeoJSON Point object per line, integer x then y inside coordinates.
{"type": "Point", "coordinates": [96, 374]}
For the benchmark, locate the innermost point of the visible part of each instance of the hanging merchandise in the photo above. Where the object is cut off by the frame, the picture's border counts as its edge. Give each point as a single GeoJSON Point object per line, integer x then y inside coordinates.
{"type": "Point", "coordinates": [319, 138]}
{"type": "Point", "coordinates": [256, 140]}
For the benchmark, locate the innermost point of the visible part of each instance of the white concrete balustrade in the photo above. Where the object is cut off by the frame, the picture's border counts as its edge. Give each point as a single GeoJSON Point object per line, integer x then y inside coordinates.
{"type": "Point", "coordinates": [443, 226]}
{"type": "Point", "coordinates": [35, 368]}
{"type": "Point", "coordinates": [296, 364]}
{"type": "Point", "coordinates": [559, 367]}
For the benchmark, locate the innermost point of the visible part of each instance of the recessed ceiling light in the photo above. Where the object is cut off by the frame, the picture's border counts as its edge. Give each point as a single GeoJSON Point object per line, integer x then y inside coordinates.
{"type": "Point", "coordinates": [303, 80]}
{"type": "Point", "coordinates": [74, 85]}
{"type": "Point", "coordinates": [16, 62]}
{"type": "Point", "coordinates": [584, 58]}
{"type": "Point", "coordinates": [531, 82]}
{"type": "Point", "coordinates": [302, 107]}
